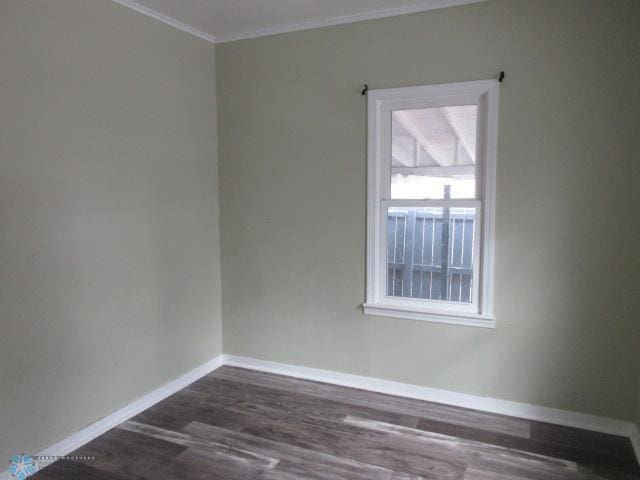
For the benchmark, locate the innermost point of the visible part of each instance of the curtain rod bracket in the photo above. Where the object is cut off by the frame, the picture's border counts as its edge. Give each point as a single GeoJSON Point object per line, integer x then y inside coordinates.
{"type": "Point", "coordinates": [365, 87]}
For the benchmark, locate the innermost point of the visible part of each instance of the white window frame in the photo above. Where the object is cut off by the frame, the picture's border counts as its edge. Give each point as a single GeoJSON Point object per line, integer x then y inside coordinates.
{"type": "Point", "coordinates": [381, 104]}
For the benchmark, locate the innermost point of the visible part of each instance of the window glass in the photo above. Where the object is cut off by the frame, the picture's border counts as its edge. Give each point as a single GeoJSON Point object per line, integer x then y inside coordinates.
{"type": "Point", "coordinates": [432, 148]}
{"type": "Point", "coordinates": [430, 253]}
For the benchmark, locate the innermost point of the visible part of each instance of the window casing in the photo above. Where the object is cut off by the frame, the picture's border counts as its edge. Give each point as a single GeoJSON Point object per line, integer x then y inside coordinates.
{"type": "Point", "coordinates": [431, 210]}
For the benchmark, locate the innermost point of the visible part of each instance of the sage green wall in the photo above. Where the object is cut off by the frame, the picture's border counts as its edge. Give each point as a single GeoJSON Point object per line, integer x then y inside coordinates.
{"type": "Point", "coordinates": [292, 128]}
{"type": "Point", "coordinates": [637, 418]}
{"type": "Point", "coordinates": [638, 410]}
{"type": "Point", "coordinates": [109, 257]}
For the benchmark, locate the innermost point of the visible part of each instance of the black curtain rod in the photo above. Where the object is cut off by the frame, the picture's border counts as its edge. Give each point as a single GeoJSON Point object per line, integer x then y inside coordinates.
{"type": "Point", "coordinates": [365, 87]}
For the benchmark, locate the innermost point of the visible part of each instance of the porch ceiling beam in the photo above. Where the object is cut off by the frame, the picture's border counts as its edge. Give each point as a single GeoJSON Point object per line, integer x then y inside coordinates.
{"type": "Point", "coordinates": [448, 171]}
{"type": "Point", "coordinates": [406, 123]}
{"type": "Point", "coordinates": [402, 158]}
{"type": "Point", "coordinates": [456, 129]}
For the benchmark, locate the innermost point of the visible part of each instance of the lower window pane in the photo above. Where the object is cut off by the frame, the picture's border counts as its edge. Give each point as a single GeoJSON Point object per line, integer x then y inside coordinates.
{"type": "Point", "coordinates": [430, 253]}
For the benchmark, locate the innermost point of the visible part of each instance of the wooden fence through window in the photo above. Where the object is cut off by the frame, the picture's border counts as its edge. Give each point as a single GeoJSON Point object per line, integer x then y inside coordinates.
{"type": "Point", "coordinates": [417, 264]}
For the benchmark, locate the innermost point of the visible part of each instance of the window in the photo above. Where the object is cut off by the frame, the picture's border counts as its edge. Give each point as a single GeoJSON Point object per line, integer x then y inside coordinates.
{"type": "Point", "coordinates": [431, 199]}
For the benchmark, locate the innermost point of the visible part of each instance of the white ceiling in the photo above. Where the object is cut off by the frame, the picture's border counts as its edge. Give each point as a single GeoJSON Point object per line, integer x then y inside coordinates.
{"type": "Point", "coordinates": [227, 20]}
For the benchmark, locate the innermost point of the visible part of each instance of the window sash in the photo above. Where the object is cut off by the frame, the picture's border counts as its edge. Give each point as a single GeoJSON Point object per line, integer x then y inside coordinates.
{"type": "Point", "coordinates": [385, 135]}
{"type": "Point", "coordinates": [432, 304]}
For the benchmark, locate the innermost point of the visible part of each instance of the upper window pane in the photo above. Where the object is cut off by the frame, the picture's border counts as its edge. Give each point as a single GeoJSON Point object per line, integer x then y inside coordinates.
{"type": "Point", "coordinates": [432, 148]}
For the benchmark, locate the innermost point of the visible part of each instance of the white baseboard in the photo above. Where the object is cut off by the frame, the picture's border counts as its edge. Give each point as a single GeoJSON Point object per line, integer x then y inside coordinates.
{"type": "Point", "coordinates": [78, 439]}
{"type": "Point", "coordinates": [492, 405]}
{"type": "Point", "coordinates": [485, 404]}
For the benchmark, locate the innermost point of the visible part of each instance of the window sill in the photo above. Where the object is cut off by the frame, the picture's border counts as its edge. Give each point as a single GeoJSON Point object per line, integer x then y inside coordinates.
{"type": "Point", "coordinates": [454, 318]}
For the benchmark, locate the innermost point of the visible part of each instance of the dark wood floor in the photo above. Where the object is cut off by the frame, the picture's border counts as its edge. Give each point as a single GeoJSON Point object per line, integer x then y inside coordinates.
{"type": "Point", "coordinates": [242, 424]}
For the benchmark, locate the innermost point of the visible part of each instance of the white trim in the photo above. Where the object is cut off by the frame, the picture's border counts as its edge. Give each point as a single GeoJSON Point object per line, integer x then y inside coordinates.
{"type": "Point", "coordinates": [488, 178]}
{"type": "Point", "coordinates": [80, 438]}
{"type": "Point", "coordinates": [381, 104]}
{"type": "Point", "coordinates": [485, 404]}
{"type": "Point", "coordinates": [294, 27]}
{"type": "Point", "coordinates": [149, 12]}
{"type": "Point", "coordinates": [465, 319]}
{"type": "Point", "coordinates": [356, 17]}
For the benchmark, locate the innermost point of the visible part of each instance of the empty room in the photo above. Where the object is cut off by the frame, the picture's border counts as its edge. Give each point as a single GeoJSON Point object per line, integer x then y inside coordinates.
{"type": "Point", "coordinates": [320, 239]}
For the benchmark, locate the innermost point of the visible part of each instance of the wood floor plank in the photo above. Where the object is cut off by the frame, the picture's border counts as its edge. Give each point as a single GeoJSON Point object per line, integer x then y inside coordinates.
{"type": "Point", "coordinates": [389, 403]}
{"type": "Point", "coordinates": [607, 473]}
{"type": "Point", "coordinates": [223, 390]}
{"type": "Point", "coordinates": [294, 459]}
{"type": "Point", "coordinates": [434, 411]}
{"type": "Point", "coordinates": [71, 469]}
{"type": "Point", "coordinates": [258, 398]}
{"type": "Point", "coordinates": [340, 440]}
{"type": "Point", "coordinates": [488, 457]}
{"type": "Point", "coordinates": [281, 382]}
{"type": "Point", "coordinates": [405, 476]}
{"type": "Point", "coordinates": [207, 465]}
{"type": "Point", "coordinates": [586, 455]}
{"type": "Point", "coordinates": [239, 424]}
{"type": "Point", "coordinates": [474, 473]}
{"type": "Point", "coordinates": [197, 401]}
{"type": "Point", "coordinates": [592, 442]}
{"type": "Point", "coordinates": [219, 449]}
{"type": "Point", "coordinates": [129, 455]}
{"type": "Point", "coordinates": [609, 451]}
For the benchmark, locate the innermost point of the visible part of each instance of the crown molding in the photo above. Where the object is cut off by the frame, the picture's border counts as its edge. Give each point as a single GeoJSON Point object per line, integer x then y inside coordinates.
{"type": "Point", "coordinates": [166, 19]}
{"type": "Point", "coordinates": [294, 27]}
{"type": "Point", "coordinates": [357, 17]}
